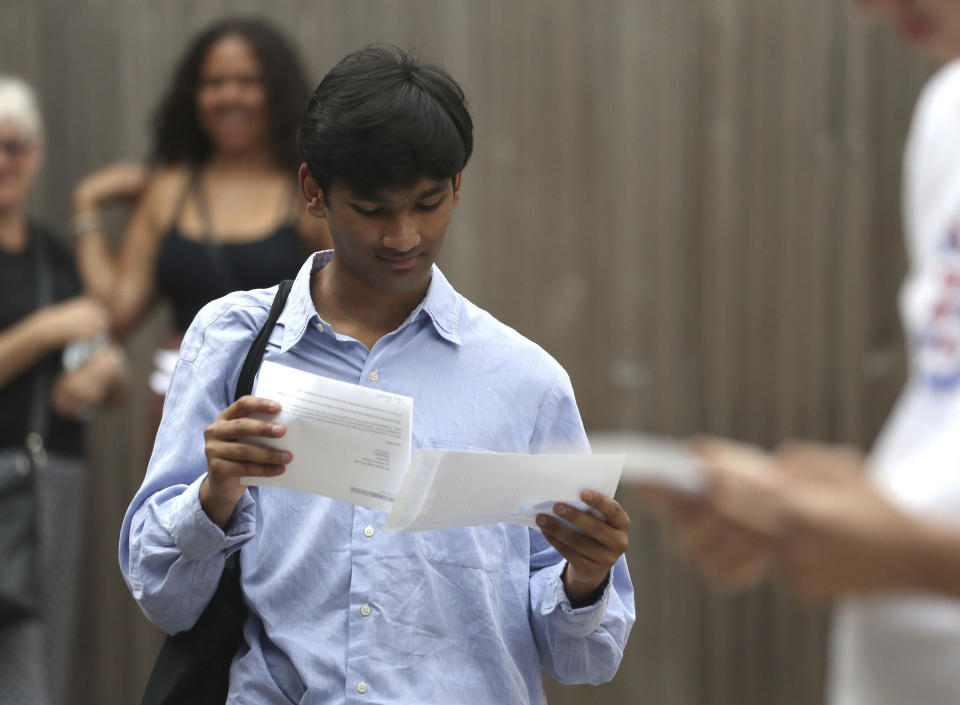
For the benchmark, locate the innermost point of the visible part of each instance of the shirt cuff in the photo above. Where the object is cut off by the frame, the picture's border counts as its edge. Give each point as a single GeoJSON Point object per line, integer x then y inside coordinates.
{"type": "Point", "coordinates": [579, 621]}
{"type": "Point", "coordinates": [197, 537]}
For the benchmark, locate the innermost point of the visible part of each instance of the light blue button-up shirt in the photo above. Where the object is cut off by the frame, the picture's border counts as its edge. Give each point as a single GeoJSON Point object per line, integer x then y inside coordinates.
{"type": "Point", "coordinates": [339, 610]}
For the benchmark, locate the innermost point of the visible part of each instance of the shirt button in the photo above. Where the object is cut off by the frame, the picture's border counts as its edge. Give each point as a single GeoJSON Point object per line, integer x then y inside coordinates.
{"type": "Point", "coordinates": [365, 611]}
{"type": "Point", "coordinates": [361, 687]}
{"type": "Point", "coordinates": [319, 327]}
{"type": "Point", "coordinates": [368, 531]}
{"type": "Point", "coordinates": [374, 376]}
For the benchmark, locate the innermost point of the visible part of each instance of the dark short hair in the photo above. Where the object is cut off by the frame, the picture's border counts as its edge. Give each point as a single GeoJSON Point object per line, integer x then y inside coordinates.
{"type": "Point", "coordinates": [178, 136]}
{"type": "Point", "coordinates": [382, 119]}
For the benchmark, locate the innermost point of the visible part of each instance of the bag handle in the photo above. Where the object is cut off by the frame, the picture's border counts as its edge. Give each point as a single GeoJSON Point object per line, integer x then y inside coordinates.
{"type": "Point", "coordinates": [251, 364]}
{"type": "Point", "coordinates": [39, 419]}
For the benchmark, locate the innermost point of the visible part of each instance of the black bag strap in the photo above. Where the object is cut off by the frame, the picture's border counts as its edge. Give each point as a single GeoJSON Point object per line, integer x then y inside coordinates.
{"type": "Point", "coordinates": [251, 364]}
{"type": "Point", "coordinates": [193, 667]}
{"type": "Point", "coordinates": [39, 419]}
{"type": "Point", "coordinates": [255, 355]}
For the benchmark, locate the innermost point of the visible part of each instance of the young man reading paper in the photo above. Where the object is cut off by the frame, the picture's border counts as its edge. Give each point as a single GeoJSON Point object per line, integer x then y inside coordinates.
{"type": "Point", "coordinates": [339, 610]}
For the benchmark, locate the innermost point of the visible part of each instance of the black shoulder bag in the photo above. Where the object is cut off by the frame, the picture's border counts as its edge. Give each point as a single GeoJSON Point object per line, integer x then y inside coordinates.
{"type": "Point", "coordinates": [193, 667]}
{"type": "Point", "coordinates": [19, 582]}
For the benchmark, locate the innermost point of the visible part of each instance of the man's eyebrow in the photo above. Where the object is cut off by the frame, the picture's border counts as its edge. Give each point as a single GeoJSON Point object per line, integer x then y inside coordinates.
{"type": "Point", "coordinates": [374, 196]}
{"type": "Point", "coordinates": [365, 194]}
{"type": "Point", "coordinates": [433, 191]}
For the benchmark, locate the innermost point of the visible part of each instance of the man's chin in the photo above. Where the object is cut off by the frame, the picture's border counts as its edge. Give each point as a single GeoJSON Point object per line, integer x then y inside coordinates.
{"type": "Point", "coordinates": [404, 281]}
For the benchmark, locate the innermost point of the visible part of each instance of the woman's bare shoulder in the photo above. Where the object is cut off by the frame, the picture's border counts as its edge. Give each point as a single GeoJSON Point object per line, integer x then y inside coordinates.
{"type": "Point", "coordinates": [165, 189]}
{"type": "Point", "coordinates": [168, 182]}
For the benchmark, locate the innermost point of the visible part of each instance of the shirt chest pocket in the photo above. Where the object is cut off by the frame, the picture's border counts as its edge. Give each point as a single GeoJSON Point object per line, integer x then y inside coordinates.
{"type": "Point", "coordinates": [479, 547]}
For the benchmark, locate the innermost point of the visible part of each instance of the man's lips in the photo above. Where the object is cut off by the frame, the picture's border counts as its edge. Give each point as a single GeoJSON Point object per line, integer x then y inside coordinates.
{"type": "Point", "coordinates": [404, 261]}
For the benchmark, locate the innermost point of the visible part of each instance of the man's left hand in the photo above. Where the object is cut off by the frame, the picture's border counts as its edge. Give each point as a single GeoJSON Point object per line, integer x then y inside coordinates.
{"type": "Point", "coordinates": [591, 551]}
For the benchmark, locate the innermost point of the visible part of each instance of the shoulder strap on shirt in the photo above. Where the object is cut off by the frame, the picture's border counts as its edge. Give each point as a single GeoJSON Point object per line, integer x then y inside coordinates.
{"type": "Point", "coordinates": [255, 355]}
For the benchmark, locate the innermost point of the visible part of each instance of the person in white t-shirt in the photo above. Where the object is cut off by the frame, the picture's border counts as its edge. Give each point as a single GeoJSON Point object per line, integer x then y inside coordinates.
{"type": "Point", "coordinates": [885, 544]}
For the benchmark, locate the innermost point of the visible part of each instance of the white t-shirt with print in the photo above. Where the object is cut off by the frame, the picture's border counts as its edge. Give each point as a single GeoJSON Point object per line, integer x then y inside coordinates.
{"type": "Point", "coordinates": [905, 649]}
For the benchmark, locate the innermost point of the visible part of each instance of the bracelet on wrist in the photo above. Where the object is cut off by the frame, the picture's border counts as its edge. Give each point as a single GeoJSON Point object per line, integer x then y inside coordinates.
{"type": "Point", "coordinates": [86, 223]}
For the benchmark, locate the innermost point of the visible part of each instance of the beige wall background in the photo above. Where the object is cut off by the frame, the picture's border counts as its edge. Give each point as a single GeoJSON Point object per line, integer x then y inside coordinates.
{"type": "Point", "coordinates": [693, 204]}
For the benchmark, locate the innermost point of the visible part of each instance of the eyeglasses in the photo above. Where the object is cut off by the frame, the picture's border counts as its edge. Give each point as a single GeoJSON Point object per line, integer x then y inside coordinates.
{"type": "Point", "coordinates": [16, 148]}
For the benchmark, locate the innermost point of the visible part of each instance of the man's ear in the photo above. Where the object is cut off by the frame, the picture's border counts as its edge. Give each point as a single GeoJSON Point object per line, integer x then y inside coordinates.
{"type": "Point", "coordinates": [312, 193]}
{"type": "Point", "coordinates": [456, 187]}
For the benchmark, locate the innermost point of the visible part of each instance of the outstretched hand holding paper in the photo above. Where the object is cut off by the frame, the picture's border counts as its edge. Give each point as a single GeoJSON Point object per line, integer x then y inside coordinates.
{"type": "Point", "coordinates": [353, 443]}
{"type": "Point", "coordinates": [654, 460]}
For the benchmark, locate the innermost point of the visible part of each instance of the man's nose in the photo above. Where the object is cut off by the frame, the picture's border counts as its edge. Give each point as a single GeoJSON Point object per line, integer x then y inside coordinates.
{"type": "Point", "coordinates": [403, 234]}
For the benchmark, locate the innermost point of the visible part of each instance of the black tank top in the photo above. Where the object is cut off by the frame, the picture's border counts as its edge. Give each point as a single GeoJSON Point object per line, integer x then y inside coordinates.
{"type": "Point", "coordinates": [191, 273]}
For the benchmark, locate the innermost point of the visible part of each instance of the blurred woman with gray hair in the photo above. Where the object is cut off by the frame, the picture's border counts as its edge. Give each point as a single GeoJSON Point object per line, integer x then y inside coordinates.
{"type": "Point", "coordinates": [56, 365]}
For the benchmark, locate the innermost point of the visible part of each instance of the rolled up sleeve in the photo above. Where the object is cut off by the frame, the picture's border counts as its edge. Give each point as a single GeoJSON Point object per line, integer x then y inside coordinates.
{"type": "Point", "coordinates": [585, 644]}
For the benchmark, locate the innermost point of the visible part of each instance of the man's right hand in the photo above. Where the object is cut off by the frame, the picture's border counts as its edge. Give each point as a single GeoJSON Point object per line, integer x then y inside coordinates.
{"type": "Point", "coordinates": [230, 457]}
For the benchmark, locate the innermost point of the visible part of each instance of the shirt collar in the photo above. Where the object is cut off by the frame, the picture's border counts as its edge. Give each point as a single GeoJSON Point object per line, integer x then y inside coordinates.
{"type": "Point", "coordinates": [441, 305]}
